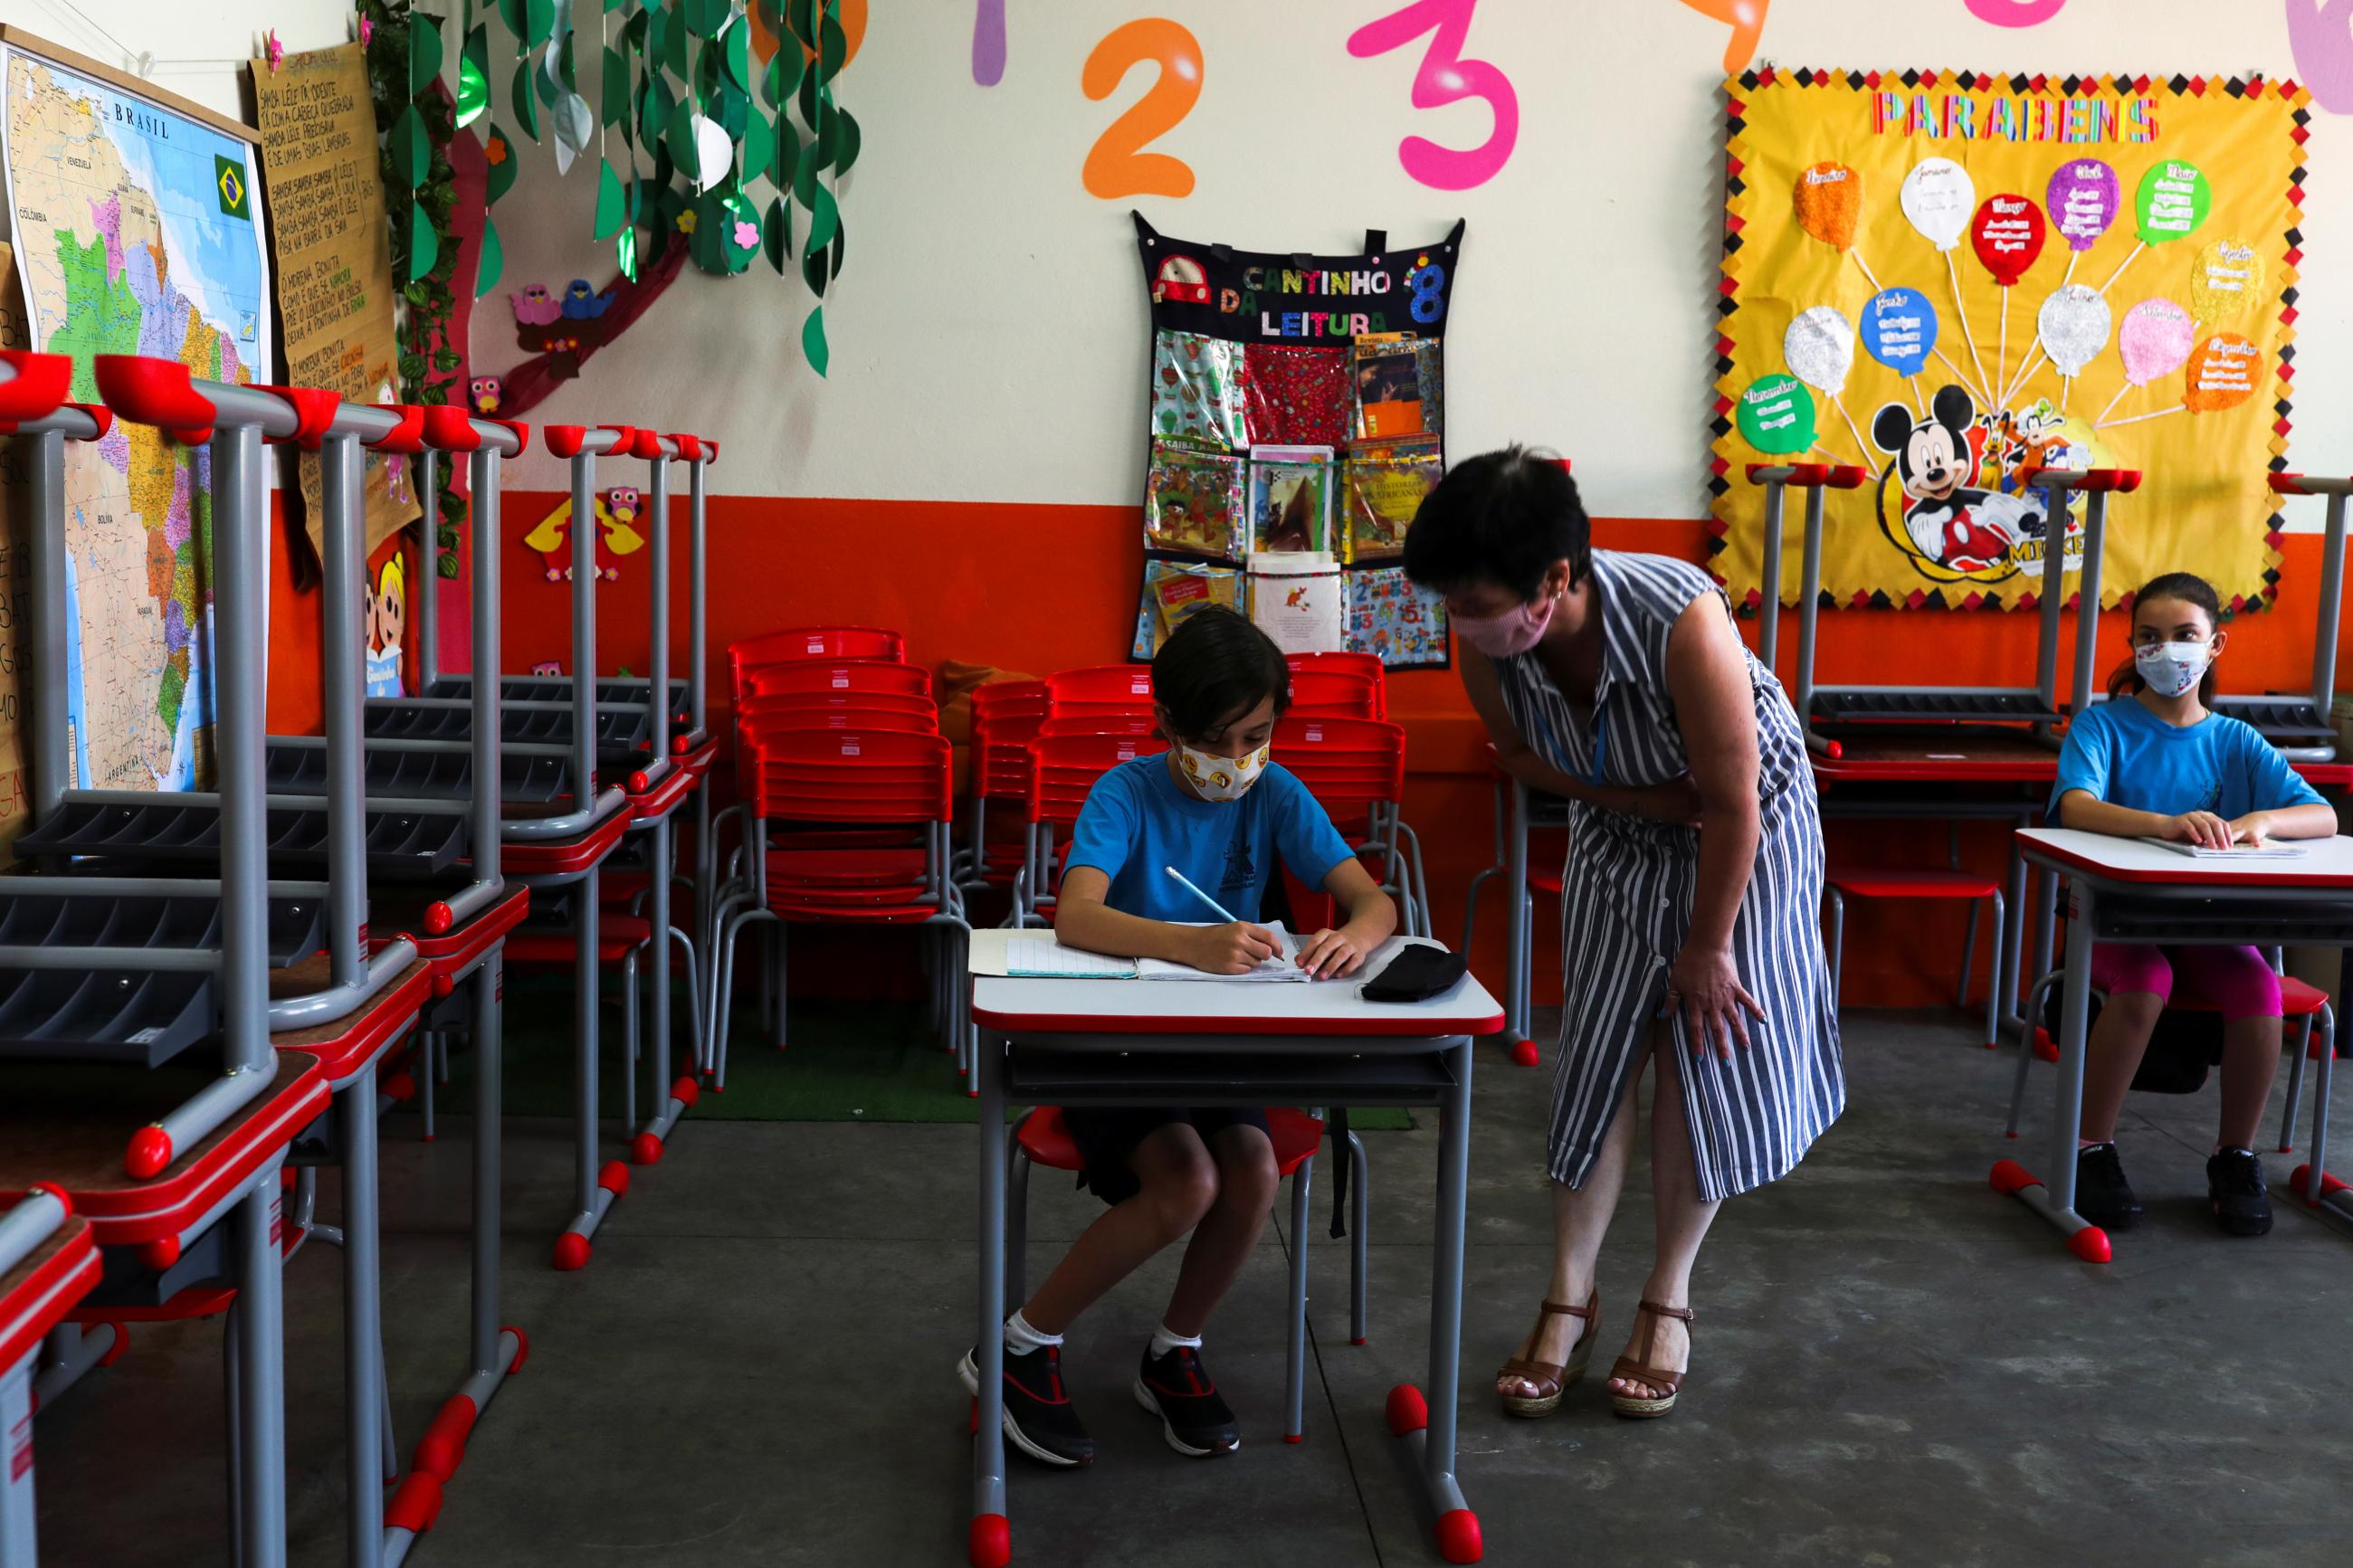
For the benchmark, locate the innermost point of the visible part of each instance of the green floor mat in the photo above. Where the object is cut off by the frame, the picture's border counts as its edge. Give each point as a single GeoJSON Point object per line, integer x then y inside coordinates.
{"type": "Point", "coordinates": [849, 1061]}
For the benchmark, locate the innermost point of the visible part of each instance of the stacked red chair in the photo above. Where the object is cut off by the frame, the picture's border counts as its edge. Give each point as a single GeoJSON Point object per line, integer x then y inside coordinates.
{"type": "Point", "coordinates": [1063, 769]}
{"type": "Point", "coordinates": [1005, 716]}
{"type": "Point", "coordinates": [1354, 767]}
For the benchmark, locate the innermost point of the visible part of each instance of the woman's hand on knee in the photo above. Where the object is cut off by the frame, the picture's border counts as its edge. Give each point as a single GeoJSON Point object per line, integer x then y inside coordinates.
{"type": "Point", "coordinates": [1704, 987]}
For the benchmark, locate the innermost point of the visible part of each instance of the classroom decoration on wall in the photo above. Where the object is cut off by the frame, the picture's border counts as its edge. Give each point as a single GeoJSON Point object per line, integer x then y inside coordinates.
{"type": "Point", "coordinates": [334, 263]}
{"type": "Point", "coordinates": [618, 510]}
{"type": "Point", "coordinates": [2149, 233]}
{"type": "Point", "coordinates": [1442, 77]}
{"type": "Point", "coordinates": [2321, 36]}
{"type": "Point", "coordinates": [134, 219]}
{"type": "Point", "coordinates": [1296, 414]}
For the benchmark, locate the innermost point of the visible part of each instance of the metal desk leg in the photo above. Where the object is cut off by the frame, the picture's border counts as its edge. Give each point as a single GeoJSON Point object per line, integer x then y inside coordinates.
{"type": "Point", "coordinates": [16, 1543]}
{"type": "Point", "coordinates": [2053, 1197]}
{"type": "Point", "coordinates": [260, 1374]}
{"type": "Point", "coordinates": [2045, 899]}
{"type": "Point", "coordinates": [1428, 1427]}
{"type": "Point", "coordinates": [989, 1541]}
{"type": "Point", "coordinates": [2011, 982]}
{"type": "Point", "coordinates": [595, 1190]}
{"type": "Point", "coordinates": [363, 1390]}
{"type": "Point", "coordinates": [1294, 1342]}
{"type": "Point", "coordinates": [1516, 885]}
{"type": "Point", "coordinates": [645, 1148]}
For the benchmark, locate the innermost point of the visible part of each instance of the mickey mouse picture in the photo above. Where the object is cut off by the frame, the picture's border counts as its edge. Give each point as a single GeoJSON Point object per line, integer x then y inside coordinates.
{"type": "Point", "coordinates": [1947, 521]}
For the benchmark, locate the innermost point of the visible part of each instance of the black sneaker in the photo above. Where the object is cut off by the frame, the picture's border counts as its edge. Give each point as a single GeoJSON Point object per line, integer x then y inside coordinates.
{"type": "Point", "coordinates": [2235, 1186]}
{"type": "Point", "coordinates": [1039, 1417]}
{"type": "Point", "coordinates": [2101, 1195]}
{"type": "Point", "coordinates": [1192, 1417]}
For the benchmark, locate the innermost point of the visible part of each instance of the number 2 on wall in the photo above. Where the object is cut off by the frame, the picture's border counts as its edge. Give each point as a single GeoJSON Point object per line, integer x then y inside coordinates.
{"type": "Point", "coordinates": [1445, 76]}
{"type": "Point", "coordinates": [1117, 165]}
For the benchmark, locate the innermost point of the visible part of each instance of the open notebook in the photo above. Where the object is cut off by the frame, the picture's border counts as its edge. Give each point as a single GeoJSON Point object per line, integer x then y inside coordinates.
{"type": "Point", "coordinates": [2271, 851]}
{"type": "Point", "coordinates": [1036, 955]}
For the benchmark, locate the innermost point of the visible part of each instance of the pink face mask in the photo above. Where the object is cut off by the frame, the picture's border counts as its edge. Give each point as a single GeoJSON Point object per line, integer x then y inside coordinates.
{"type": "Point", "coordinates": [1516, 631]}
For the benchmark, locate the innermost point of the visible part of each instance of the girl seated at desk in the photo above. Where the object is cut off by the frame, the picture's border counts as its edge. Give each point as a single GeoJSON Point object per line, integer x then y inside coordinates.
{"type": "Point", "coordinates": [1216, 810]}
{"type": "Point", "coordinates": [2155, 763]}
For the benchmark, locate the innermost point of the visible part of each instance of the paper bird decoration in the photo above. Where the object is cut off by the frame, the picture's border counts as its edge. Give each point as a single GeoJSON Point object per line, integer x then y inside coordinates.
{"type": "Point", "coordinates": [535, 306]}
{"type": "Point", "coordinates": [617, 510]}
{"type": "Point", "coordinates": [583, 304]}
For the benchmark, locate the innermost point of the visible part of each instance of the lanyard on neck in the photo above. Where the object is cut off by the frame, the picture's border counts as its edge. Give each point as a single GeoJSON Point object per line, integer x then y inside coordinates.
{"type": "Point", "coordinates": [1600, 742]}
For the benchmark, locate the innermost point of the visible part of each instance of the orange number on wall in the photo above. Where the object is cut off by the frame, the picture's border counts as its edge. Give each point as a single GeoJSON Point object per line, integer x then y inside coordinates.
{"type": "Point", "coordinates": [1746, 20]}
{"type": "Point", "coordinates": [1117, 164]}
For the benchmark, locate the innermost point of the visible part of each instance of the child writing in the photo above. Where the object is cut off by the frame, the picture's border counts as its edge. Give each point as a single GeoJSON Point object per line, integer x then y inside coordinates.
{"type": "Point", "coordinates": [2156, 762]}
{"type": "Point", "coordinates": [1213, 808]}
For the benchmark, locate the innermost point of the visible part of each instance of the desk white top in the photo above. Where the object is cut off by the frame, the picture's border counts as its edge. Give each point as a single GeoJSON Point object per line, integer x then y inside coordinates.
{"type": "Point", "coordinates": [1319, 1008]}
{"type": "Point", "coordinates": [2326, 862]}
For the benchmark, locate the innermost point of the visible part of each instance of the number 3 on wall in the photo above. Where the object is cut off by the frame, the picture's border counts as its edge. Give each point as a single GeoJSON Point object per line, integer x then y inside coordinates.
{"type": "Point", "coordinates": [1117, 164]}
{"type": "Point", "coordinates": [1445, 76]}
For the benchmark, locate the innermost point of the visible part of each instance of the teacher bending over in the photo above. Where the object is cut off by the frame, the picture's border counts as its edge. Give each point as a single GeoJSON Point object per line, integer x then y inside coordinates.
{"type": "Point", "coordinates": [1690, 905]}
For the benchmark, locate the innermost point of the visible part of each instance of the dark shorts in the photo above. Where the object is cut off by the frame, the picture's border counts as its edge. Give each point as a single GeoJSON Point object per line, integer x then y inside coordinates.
{"type": "Point", "coordinates": [1107, 1136]}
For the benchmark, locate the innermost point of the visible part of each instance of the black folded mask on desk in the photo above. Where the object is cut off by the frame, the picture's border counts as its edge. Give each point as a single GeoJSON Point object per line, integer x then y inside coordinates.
{"type": "Point", "coordinates": [1417, 974]}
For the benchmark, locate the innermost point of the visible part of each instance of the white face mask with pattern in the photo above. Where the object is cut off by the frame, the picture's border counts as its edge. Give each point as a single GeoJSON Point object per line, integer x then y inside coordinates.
{"type": "Point", "coordinates": [2171, 668]}
{"type": "Point", "coordinates": [1221, 778]}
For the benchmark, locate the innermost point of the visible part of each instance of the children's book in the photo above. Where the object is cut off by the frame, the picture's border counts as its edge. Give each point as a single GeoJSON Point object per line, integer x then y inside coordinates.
{"type": "Point", "coordinates": [1290, 499]}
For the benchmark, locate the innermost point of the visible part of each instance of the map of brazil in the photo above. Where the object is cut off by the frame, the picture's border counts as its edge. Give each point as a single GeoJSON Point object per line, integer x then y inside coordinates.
{"type": "Point", "coordinates": [137, 230]}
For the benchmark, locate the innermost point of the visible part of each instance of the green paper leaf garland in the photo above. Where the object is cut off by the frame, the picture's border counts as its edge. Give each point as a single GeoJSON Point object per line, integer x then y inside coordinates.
{"type": "Point", "coordinates": [679, 136]}
{"type": "Point", "coordinates": [660, 107]}
{"type": "Point", "coordinates": [526, 108]}
{"type": "Point", "coordinates": [608, 201]}
{"type": "Point", "coordinates": [424, 52]}
{"type": "Point", "coordinates": [783, 77]}
{"type": "Point", "coordinates": [412, 153]}
{"type": "Point", "coordinates": [776, 235]}
{"type": "Point", "coordinates": [824, 218]}
{"type": "Point", "coordinates": [424, 245]}
{"type": "Point", "coordinates": [625, 252]}
{"type": "Point", "coordinates": [489, 259]}
{"type": "Point", "coordinates": [759, 144]}
{"type": "Point", "coordinates": [474, 75]}
{"type": "Point", "coordinates": [613, 102]}
{"type": "Point", "coordinates": [814, 271]}
{"type": "Point", "coordinates": [845, 149]}
{"type": "Point", "coordinates": [499, 154]}
{"type": "Point", "coordinates": [813, 346]}
{"type": "Point", "coordinates": [735, 55]}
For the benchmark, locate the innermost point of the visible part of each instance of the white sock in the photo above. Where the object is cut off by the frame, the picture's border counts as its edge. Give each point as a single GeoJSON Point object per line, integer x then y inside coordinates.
{"type": "Point", "coordinates": [1163, 1341]}
{"type": "Point", "coordinates": [1022, 1339]}
{"type": "Point", "coordinates": [2085, 1145]}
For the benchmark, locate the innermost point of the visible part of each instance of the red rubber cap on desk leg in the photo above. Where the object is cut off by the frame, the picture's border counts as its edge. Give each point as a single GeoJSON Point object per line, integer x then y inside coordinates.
{"type": "Point", "coordinates": [121, 1345]}
{"type": "Point", "coordinates": [565, 440]}
{"type": "Point", "coordinates": [150, 1151]}
{"type": "Point", "coordinates": [415, 1505]}
{"type": "Point", "coordinates": [2010, 1178]}
{"type": "Point", "coordinates": [448, 429]}
{"type": "Point", "coordinates": [155, 392]}
{"type": "Point", "coordinates": [614, 1178]}
{"type": "Point", "coordinates": [438, 919]}
{"type": "Point", "coordinates": [1458, 1536]}
{"type": "Point", "coordinates": [159, 1254]}
{"type": "Point", "coordinates": [571, 1251]}
{"type": "Point", "coordinates": [2299, 1183]}
{"type": "Point", "coordinates": [2090, 1244]}
{"type": "Point", "coordinates": [646, 444]}
{"type": "Point", "coordinates": [689, 447]}
{"type": "Point", "coordinates": [646, 1149]}
{"type": "Point", "coordinates": [65, 1199]}
{"type": "Point", "coordinates": [516, 427]}
{"type": "Point", "coordinates": [38, 389]}
{"type": "Point", "coordinates": [991, 1541]}
{"type": "Point", "coordinates": [1357, 1341]}
{"type": "Point", "coordinates": [401, 1086]}
{"type": "Point", "coordinates": [407, 436]}
{"type": "Point", "coordinates": [686, 1091]}
{"type": "Point", "coordinates": [1407, 1410]}
{"type": "Point", "coordinates": [523, 1348]}
{"type": "Point", "coordinates": [443, 1447]}
{"type": "Point", "coordinates": [1525, 1054]}
{"type": "Point", "coordinates": [2288, 485]}
{"type": "Point", "coordinates": [314, 409]}
{"type": "Point", "coordinates": [1295, 1437]}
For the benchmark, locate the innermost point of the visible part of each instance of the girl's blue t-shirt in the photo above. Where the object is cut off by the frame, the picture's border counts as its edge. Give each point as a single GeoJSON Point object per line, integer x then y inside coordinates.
{"type": "Point", "coordinates": [1138, 821]}
{"type": "Point", "coordinates": [2122, 753]}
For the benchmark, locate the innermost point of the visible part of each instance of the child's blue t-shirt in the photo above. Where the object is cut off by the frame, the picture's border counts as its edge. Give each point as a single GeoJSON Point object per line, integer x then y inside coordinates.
{"type": "Point", "coordinates": [1138, 821]}
{"type": "Point", "coordinates": [2121, 753]}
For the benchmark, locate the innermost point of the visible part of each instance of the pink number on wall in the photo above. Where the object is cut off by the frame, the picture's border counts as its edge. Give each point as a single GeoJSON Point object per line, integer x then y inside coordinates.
{"type": "Point", "coordinates": [2322, 40]}
{"type": "Point", "coordinates": [1445, 76]}
{"type": "Point", "coordinates": [1117, 164]}
{"type": "Point", "coordinates": [2015, 12]}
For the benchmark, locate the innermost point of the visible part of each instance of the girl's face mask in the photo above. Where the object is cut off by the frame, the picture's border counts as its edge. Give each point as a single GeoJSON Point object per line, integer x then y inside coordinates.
{"type": "Point", "coordinates": [1222, 778]}
{"type": "Point", "coordinates": [2171, 668]}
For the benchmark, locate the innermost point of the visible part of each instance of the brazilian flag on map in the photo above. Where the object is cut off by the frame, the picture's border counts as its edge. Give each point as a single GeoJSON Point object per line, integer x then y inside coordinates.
{"type": "Point", "coordinates": [228, 180]}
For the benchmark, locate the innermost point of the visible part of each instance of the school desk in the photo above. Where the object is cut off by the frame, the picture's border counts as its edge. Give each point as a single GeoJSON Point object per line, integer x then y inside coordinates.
{"type": "Point", "coordinates": [2123, 889]}
{"type": "Point", "coordinates": [1141, 1042]}
{"type": "Point", "coordinates": [47, 1262]}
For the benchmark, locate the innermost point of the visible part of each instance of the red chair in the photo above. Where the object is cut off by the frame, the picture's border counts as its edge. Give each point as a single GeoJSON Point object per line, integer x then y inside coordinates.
{"type": "Point", "coordinates": [1041, 1138]}
{"type": "Point", "coordinates": [814, 643]}
{"type": "Point", "coordinates": [1333, 694]}
{"type": "Point", "coordinates": [825, 676]}
{"type": "Point", "coordinates": [1356, 770]}
{"type": "Point", "coordinates": [799, 709]}
{"type": "Point", "coordinates": [1842, 883]}
{"type": "Point", "coordinates": [870, 778]}
{"type": "Point", "coordinates": [1100, 724]}
{"type": "Point", "coordinates": [1005, 716]}
{"type": "Point", "coordinates": [1367, 665]}
{"type": "Point", "coordinates": [1108, 689]}
{"type": "Point", "coordinates": [1063, 769]}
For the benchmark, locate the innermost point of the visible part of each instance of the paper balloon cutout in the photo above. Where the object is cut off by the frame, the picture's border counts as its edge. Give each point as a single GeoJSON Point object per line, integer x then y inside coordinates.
{"type": "Point", "coordinates": [2084, 196]}
{"type": "Point", "coordinates": [2173, 201]}
{"type": "Point", "coordinates": [1828, 203]}
{"type": "Point", "coordinates": [2225, 279]}
{"type": "Point", "coordinates": [1818, 349]}
{"type": "Point", "coordinates": [1937, 197]}
{"type": "Point", "coordinates": [2154, 340]}
{"type": "Point", "coordinates": [1777, 416]}
{"type": "Point", "coordinates": [2221, 374]}
{"type": "Point", "coordinates": [2008, 235]}
{"type": "Point", "coordinates": [2074, 324]}
{"type": "Point", "coordinates": [1899, 328]}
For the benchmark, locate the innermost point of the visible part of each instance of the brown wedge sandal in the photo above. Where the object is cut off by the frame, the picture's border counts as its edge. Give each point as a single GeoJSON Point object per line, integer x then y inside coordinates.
{"type": "Point", "coordinates": [1629, 1370]}
{"type": "Point", "coordinates": [1551, 1379]}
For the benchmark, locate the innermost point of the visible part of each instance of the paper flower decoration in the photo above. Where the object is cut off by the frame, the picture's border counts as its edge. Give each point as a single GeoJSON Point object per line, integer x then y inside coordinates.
{"type": "Point", "coordinates": [747, 235]}
{"type": "Point", "coordinates": [271, 48]}
{"type": "Point", "coordinates": [686, 220]}
{"type": "Point", "coordinates": [367, 30]}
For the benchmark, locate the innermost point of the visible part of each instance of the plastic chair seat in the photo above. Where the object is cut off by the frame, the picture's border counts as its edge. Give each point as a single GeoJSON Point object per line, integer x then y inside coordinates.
{"type": "Point", "coordinates": [1046, 1139]}
{"type": "Point", "coordinates": [846, 868]}
{"type": "Point", "coordinates": [616, 937]}
{"type": "Point", "coordinates": [2298, 1000]}
{"type": "Point", "coordinates": [1874, 882]}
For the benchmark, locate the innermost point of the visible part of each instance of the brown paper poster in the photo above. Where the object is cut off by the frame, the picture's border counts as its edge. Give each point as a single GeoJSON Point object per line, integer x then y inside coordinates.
{"type": "Point", "coordinates": [334, 259]}
{"type": "Point", "coordinates": [15, 587]}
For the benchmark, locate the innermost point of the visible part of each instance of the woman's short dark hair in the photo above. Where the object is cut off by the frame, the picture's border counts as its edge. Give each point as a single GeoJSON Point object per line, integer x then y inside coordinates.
{"type": "Point", "coordinates": [1501, 518]}
{"type": "Point", "coordinates": [1213, 669]}
{"type": "Point", "coordinates": [2190, 589]}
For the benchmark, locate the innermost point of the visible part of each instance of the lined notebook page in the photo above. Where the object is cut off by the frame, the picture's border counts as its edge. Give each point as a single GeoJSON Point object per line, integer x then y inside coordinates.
{"type": "Point", "coordinates": [1281, 969]}
{"type": "Point", "coordinates": [2271, 851]}
{"type": "Point", "coordinates": [1036, 956]}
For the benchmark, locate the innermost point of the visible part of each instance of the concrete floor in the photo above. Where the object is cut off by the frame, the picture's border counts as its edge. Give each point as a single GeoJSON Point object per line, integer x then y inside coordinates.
{"type": "Point", "coordinates": [1892, 1365]}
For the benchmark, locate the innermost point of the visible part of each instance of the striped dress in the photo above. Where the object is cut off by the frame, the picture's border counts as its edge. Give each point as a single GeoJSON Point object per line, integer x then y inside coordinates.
{"type": "Point", "coordinates": [1626, 903]}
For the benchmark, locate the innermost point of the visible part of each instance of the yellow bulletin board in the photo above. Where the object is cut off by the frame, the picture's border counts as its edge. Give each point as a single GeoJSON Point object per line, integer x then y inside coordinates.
{"type": "Point", "coordinates": [1955, 279]}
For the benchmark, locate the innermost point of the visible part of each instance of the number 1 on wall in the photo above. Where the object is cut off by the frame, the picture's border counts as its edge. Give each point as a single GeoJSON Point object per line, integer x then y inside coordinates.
{"type": "Point", "coordinates": [1117, 165]}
